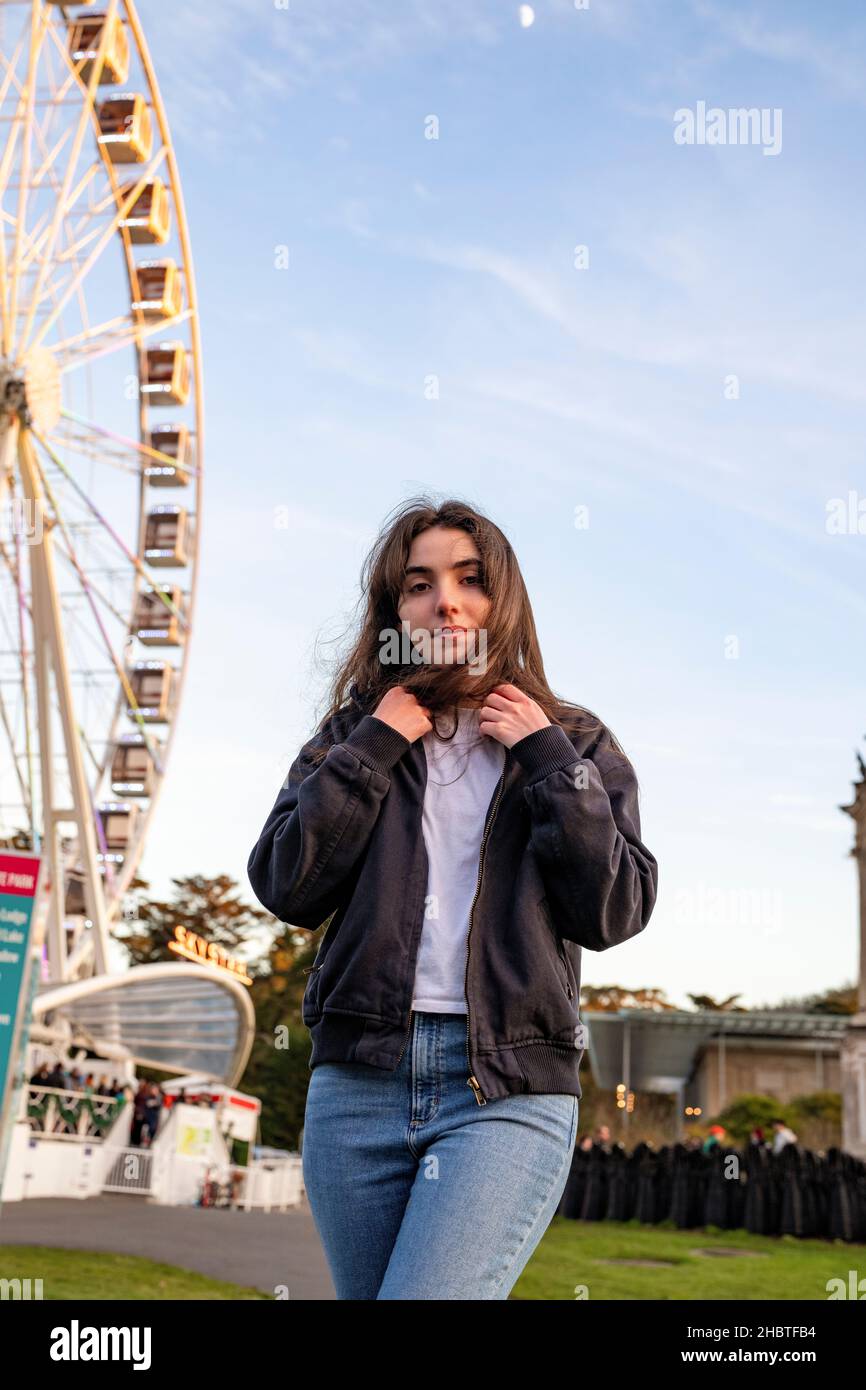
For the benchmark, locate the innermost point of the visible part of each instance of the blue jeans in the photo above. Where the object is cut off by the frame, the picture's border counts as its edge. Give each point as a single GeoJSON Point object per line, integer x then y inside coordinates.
{"type": "Point", "coordinates": [416, 1190]}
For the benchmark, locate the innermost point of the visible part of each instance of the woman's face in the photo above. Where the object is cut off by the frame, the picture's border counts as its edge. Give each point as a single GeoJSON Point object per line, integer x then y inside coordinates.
{"type": "Point", "coordinates": [442, 590]}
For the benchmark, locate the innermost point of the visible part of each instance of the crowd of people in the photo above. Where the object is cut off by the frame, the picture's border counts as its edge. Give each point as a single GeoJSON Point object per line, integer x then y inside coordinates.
{"type": "Point", "coordinates": [147, 1107]}
{"type": "Point", "coordinates": [147, 1101]}
{"type": "Point", "coordinates": [782, 1136]}
{"type": "Point", "coordinates": [73, 1079]}
{"type": "Point", "coordinates": [775, 1188]}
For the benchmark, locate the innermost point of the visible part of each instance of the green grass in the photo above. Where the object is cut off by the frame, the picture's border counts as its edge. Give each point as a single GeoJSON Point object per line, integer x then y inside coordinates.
{"type": "Point", "coordinates": [571, 1253]}
{"type": "Point", "coordinates": [97, 1274]}
{"type": "Point", "coordinates": [778, 1267]}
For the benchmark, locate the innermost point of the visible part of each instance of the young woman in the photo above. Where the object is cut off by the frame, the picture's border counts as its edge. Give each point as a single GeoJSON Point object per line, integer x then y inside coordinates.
{"type": "Point", "coordinates": [463, 833]}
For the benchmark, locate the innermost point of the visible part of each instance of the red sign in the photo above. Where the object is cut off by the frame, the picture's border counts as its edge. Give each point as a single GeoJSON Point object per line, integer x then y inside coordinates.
{"type": "Point", "coordinates": [18, 874]}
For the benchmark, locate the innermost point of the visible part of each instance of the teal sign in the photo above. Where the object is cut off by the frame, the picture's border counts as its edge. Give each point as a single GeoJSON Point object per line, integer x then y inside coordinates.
{"type": "Point", "coordinates": [19, 877]}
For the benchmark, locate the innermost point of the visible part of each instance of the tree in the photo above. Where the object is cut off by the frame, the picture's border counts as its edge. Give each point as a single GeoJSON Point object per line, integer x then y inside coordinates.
{"type": "Point", "coordinates": [277, 1070]}
{"type": "Point", "coordinates": [210, 907]}
{"type": "Point", "coordinates": [727, 1006]}
{"type": "Point", "coordinates": [611, 998]}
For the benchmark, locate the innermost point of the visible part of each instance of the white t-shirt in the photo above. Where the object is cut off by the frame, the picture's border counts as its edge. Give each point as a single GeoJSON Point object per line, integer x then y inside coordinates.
{"type": "Point", "coordinates": [462, 774]}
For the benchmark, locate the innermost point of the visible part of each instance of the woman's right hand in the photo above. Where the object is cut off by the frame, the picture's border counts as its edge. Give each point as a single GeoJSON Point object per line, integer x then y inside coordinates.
{"type": "Point", "coordinates": [400, 708]}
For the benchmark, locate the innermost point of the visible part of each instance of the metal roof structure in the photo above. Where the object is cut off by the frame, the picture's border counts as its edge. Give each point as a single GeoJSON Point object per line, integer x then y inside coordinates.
{"type": "Point", "coordinates": [177, 1016]}
{"type": "Point", "coordinates": [657, 1049]}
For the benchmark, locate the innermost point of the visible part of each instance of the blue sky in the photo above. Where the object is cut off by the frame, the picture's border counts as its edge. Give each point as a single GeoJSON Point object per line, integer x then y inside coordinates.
{"type": "Point", "coordinates": [706, 614]}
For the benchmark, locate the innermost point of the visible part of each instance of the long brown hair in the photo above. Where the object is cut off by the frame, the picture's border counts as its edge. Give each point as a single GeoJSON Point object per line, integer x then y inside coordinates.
{"type": "Point", "coordinates": [513, 654]}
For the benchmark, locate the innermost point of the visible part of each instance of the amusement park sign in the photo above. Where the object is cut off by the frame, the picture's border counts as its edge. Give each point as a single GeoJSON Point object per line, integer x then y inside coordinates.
{"type": "Point", "coordinates": [19, 880]}
{"type": "Point", "coordinates": [194, 947]}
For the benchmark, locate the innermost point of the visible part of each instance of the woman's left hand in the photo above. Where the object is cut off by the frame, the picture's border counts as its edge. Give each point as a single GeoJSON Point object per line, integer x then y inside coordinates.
{"type": "Point", "coordinates": [509, 715]}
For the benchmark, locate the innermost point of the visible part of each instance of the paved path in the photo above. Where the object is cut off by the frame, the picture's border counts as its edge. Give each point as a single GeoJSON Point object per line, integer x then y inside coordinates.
{"type": "Point", "coordinates": [257, 1249]}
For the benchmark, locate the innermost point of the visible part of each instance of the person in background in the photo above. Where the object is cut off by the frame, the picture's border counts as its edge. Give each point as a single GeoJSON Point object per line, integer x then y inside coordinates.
{"type": "Point", "coordinates": [152, 1109]}
{"type": "Point", "coordinates": [713, 1139]}
{"type": "Point", "coordinates": [782, 1136]}
{"type": "Point", "coordinates": [602, 1136]}
{"type": "Point", "coordinates": [57, 1078]}
{"type": "Point", "coordinates": [139, 1113]}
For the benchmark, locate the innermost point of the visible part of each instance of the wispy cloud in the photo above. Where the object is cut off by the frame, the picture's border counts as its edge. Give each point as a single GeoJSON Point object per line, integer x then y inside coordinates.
{"type": "Point", "coordinates": [839, 62]}
{"type": "Point", "coordinates": [756, 349]}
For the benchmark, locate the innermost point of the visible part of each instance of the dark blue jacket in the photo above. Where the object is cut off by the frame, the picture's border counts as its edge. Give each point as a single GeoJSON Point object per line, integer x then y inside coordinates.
{"type": "Point", "coordinates": [562, 866]}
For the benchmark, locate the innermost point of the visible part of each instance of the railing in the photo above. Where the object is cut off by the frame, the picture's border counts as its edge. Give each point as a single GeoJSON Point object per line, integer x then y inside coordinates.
{"type": "Point", "coordinates": [71, 1115]}
{"type": "Point", "coordinates": [235, 1185]}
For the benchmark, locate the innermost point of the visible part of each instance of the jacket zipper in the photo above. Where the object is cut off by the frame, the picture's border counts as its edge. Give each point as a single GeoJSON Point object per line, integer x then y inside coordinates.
{"type": "Point", "coordinates": [405, 1040]}
{"type": "Point", "coordinates": [560, 948]}
{"type": "Point", "coordinates": [564, 959]}
{"type": "Point", "coordinates": [317, 963]}
{"type": "Point", "coordinates": [473, 1080]}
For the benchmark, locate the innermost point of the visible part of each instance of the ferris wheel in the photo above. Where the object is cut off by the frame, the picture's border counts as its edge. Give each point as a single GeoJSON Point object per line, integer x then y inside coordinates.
{"type": "Point", "coordinates": [101, 430]}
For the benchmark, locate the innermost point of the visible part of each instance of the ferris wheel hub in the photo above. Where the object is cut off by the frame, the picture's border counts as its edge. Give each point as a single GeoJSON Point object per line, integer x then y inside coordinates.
{"type": "Point", "coordinates": [30, 388]}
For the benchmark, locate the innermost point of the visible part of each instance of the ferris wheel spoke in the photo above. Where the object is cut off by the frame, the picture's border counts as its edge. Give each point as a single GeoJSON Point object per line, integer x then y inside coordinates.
{"type": "Point", "coordinates": [26, 697]}
{"type": "Point", "coordinates": [92, 213]}
{"type": "Point", "coordinates": [83, 239]}
{"type": "Point", "coordinates": [86, 588]}
{"type": "Point", "coordinates": [139, 564]}
{"type": "Point", "coordinates": [81, 127]}
{"type": "Point", "coordinates": [10, 738]}
{"type": "Point", "coordinates": [50, 156]}
{"type": "Point", "coordinates": [52, 107]}
{"type": "Point", "coordinates": [146, 451]}
{"type": "Point", "coordinates": [5, 165]}
{"type": "Point", "coordinates": [69, 556]}
{"type": "Point", "coordinates": [107, 332]}
{"type": "Point", "coordinates": [86, 446]}
{"type": "Point", "coordinates": [37, 245]}
{"type": "Point", "coordinates": [75, 630]}
{"type": "Point", "coordinates": [10, 64]}
{"type": "Point", "coordinates": [37, 237]}
{"type": "Point", "coordinates": [91, 348]}
{"type": "Point", "coordinates": [72, 71]}
{"type": "Point", "coordinates": [37, 35]}
{"type": "Point", "coordinates": [121, 212]}
{"type": "Point", "coordinates": [7, 726]}
{"type": "Point", "coordinates": [11, 565]}
{"type": "Point", "coordinates": [14, 566]}
{"type": "Point", "coordinates": [27, 252]}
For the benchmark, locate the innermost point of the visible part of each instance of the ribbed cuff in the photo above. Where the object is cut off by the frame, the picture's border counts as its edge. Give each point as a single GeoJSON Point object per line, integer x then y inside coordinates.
{"type": "Point", "coordinates": [544, 751]}
{"type": "Point", "coordinates": [376, 743]}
